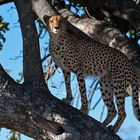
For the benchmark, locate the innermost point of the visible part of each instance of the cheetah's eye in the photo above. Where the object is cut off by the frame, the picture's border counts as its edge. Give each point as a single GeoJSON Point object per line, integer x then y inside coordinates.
{"type": "Point", "coordinates": [51, 21]}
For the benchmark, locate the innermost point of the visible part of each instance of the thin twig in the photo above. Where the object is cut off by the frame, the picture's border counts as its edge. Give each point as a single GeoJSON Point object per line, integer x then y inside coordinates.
{"type": "Point", "coordinates": [96, 104]}
{"type": "Point", "coordinates": [45, 57]}
{"type": "Point", "coordinates": [92, 92]}
{"type": "Point", "coordinates": [103, 109]}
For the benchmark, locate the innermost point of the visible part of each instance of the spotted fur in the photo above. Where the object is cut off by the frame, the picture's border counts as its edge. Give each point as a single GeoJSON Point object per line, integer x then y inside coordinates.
{"type": "Point", "coordinates": [90, 58]}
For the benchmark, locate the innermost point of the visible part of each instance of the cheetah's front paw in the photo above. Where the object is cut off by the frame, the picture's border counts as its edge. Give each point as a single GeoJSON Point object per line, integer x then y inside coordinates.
{"type": "Point", "coordinates": [67, 100]}
{"type": "Point", "coordinates": [112, 128]}
{"type": "Point", "coordinates": [84, 110]}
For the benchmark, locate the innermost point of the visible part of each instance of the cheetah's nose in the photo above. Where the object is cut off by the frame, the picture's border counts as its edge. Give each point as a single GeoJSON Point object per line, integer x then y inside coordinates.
{"type": "Point", "coordinates": [56, 27]}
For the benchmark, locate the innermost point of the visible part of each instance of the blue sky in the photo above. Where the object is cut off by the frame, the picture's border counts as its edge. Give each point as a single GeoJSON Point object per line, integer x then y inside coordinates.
{"type": "Point", "coordinates": [130, 129]}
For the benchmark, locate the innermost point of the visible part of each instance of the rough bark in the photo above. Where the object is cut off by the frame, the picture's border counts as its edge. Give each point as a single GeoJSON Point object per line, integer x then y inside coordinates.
{"type": "Point", "coordinates": [125, 13]}
{"type": "Point", "coordinates": [21, 111]}
{"type": "Point", "coordinates": [13, 112]}
{"type": "Point", "coordinates": [31, 65]}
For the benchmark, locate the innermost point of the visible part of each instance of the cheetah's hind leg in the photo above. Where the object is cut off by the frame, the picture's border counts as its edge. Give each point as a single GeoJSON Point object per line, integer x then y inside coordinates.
{"type": "Point", "coordinates": [120, 101]}
{"type": "Point", "coordinates": [67, 100]}
{"type": "Point", "coordinates": [107, 94]}
{"type": "Point", "coordinates": [120, 86]}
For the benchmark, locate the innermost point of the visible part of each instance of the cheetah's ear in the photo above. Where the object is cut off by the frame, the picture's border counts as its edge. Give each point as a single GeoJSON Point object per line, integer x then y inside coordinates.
{"type": "Point", "coordinates": [45, 19]}
{"type": "Point", "coordinates": [65, 18]}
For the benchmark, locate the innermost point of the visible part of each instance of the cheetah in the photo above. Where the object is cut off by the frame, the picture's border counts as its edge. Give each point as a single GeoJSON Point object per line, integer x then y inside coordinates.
{"type": "Point", "coordinates": [87, 57]}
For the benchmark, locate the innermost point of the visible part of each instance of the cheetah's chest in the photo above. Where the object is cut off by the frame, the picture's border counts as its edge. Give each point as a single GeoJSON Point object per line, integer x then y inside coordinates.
{"type": "Point", "coordinates": [58, 54]}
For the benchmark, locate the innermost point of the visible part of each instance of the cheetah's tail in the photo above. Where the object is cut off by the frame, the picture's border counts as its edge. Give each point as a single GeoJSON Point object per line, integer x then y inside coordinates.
{"type": "Point", "coordinates": [136, 98]}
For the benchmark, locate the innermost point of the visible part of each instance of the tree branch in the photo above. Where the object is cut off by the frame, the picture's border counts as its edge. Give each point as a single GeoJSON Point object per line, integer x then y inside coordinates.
{"type": "Point", "coordinates": [46, 8]}
{"type": "Point", "coordinates": [32, 68]}
{"type": "Point", "coordinates": [13, 113]}
{"type": "Point", "coordinates": [5, 1]}
{"type": "Point", "coordinates": [51, 114]}
{"type": "Point", "coordinates": [121, 12]}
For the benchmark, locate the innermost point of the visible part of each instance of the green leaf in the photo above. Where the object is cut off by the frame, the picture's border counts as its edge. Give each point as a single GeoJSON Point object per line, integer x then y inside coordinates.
{"type": "Point", "coordinates": [3, 29]}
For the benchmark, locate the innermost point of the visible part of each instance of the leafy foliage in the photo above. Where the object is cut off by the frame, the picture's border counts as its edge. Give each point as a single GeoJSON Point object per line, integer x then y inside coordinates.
{"type": "Point", "coordinates": [14, 135]}
{"type": "Point", "coordinates": [3, 29]}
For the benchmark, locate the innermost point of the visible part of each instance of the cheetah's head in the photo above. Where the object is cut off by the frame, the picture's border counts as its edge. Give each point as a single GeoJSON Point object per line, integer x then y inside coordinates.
{"type": "Point", "coordinates": [56, 23]}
